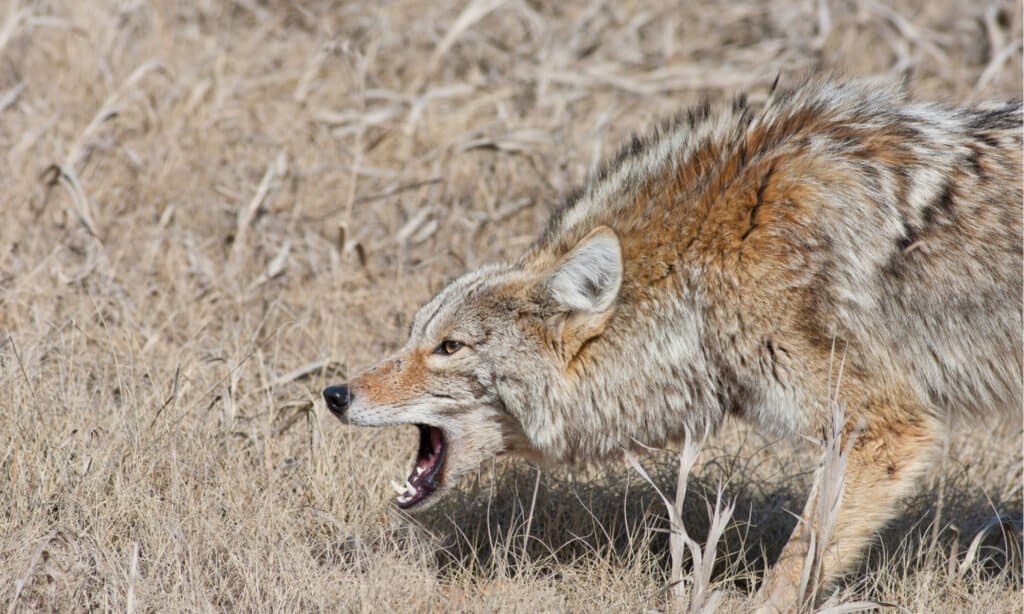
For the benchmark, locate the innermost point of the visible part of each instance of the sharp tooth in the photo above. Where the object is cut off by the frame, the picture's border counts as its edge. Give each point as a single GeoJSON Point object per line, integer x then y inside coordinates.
{"type": "Point", "coordinates": [409, 487]}
{"type": "Point", "coordinates": [398, 487]}
{"type": "Point", "coordinates": [420, 470]}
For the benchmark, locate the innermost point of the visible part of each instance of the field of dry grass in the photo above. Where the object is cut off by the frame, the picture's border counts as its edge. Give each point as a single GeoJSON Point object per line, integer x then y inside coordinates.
{"type": "Point", "coordinates": [212, 209]}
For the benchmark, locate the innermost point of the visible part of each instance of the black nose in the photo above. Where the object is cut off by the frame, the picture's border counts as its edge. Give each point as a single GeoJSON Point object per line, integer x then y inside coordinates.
{"type": "Point", "coordinates": [338, 399]}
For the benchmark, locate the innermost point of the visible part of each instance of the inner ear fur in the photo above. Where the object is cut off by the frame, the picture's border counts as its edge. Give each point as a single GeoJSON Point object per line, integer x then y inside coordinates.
{"type": "Point", "coordinates": [583, 288]}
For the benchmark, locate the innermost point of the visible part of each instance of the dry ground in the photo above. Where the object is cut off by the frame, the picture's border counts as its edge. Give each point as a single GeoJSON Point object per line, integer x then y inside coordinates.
{"type": "Point", "coordinates": [199, 199]}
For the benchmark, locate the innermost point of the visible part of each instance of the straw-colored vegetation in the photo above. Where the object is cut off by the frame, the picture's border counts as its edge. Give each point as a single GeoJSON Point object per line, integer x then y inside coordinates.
{"type": "Point", "coordinates": [211, 209]}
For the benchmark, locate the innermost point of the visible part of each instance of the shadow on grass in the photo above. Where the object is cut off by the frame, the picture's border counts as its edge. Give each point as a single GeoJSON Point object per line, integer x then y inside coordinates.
{"type": "Point", "coordinates": [970, 536]}
{"type": "Point", "coordinates": [486, 528]}
{"type": "Point", "coordinates": [613, 515]}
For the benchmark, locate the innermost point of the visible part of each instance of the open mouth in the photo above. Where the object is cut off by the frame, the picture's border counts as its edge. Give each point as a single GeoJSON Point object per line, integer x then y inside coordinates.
{"type": "Point", "coordinates": [426, 472]}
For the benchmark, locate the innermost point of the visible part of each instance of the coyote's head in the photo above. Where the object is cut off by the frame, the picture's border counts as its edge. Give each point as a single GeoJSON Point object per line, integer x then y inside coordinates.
{"type": "Point", "coordinates": [481, 359]}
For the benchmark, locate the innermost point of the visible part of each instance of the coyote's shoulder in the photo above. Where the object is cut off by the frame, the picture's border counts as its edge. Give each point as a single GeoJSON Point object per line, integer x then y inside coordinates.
{"type": "Point", "coordinates": [734, 262]}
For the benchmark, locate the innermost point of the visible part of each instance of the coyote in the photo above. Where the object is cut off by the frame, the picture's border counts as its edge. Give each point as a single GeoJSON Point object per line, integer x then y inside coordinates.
{"type": "Point", "coordinates": [712, 268]}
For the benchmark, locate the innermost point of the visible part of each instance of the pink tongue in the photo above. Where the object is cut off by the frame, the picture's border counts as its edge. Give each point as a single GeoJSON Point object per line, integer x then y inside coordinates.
{"type": "Point", "coordinates": [436, 440]}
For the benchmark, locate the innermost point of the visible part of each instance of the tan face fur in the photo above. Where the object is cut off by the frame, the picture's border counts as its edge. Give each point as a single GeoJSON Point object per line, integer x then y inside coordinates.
{"type": "Point", "coordinates": [512, 327]}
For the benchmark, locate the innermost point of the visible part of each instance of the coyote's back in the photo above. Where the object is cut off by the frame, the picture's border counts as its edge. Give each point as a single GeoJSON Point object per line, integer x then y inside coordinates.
{"type": "Point", "coordinates": [933, 286]}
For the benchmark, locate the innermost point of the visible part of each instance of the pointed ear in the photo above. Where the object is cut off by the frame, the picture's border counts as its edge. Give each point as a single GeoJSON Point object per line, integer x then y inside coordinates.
{"type": "Point", "coordinates": [583, 287]}
{"type": "Point", "coordinates": [588, 278]}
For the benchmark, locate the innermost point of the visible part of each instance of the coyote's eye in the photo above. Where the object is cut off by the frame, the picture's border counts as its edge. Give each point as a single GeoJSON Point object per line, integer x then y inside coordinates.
{"type": "Point", "coordinates": [448, 347]}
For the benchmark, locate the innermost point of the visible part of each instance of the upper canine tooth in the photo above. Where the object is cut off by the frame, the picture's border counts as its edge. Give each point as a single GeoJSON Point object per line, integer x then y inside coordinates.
{"type": "Point", "coordinates": [420, 470]}
{"type": "Point", "coordinates": [398, 487]}
{"type": "Point", "coordinates": [409, 487]}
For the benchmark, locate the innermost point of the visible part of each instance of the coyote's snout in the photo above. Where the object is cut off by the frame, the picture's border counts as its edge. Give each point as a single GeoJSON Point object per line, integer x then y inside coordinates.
{"type": "Point", "coordinates": [711, 269]}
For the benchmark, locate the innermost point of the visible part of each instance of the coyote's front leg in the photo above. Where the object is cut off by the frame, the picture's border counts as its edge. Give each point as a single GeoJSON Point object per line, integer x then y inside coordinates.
{"type": "Point", "coordinates": [889, 445]}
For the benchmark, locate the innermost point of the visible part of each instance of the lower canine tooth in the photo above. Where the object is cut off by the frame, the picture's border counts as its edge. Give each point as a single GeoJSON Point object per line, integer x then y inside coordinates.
{"type": "Point", "coordinates": [409, 487]}
{"type": "Point", "coordinates": [398, 487]}
{"type": "Point", "coordinates": [420, 470]}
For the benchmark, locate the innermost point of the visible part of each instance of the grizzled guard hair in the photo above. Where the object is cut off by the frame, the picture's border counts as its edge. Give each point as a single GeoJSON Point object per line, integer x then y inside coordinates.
{"type": "Point", "coordinates": [710, 269]}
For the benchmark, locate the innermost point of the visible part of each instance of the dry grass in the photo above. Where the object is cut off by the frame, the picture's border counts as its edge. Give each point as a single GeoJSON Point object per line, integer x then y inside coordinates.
{"type": "Point", "coordinates": [212, 209]}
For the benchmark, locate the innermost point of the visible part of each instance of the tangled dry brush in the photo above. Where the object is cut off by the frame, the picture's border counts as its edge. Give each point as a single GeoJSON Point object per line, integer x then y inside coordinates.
{"type": "Point", "coordinates": [210, 209]}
